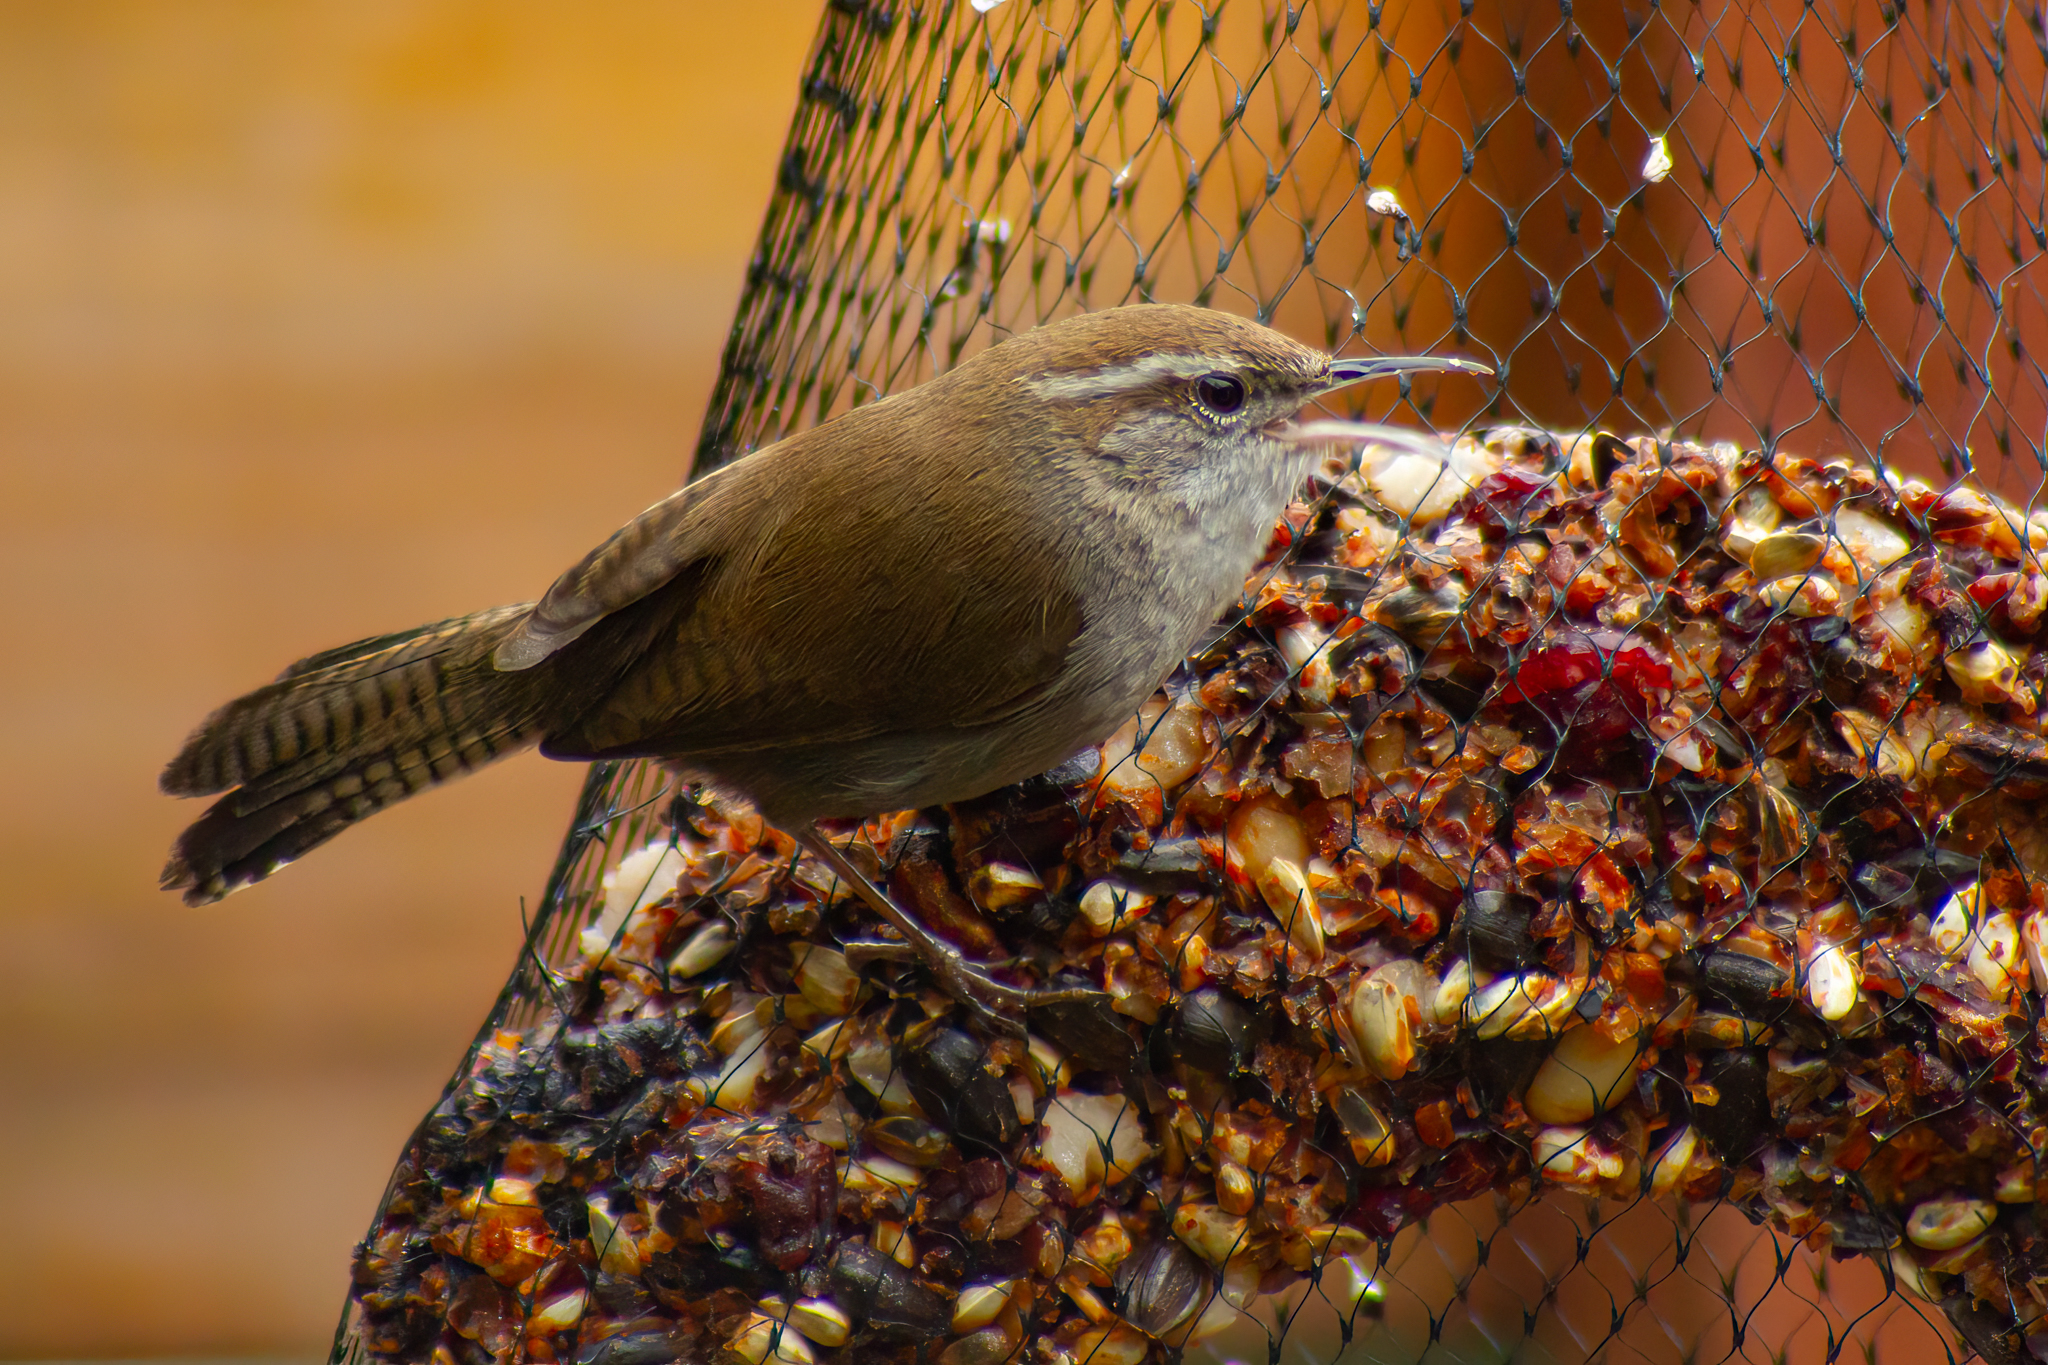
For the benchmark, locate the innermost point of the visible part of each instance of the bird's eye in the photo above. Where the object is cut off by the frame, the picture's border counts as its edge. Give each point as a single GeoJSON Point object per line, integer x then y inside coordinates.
{"type": "Point", "coordinates": [1221, 394]}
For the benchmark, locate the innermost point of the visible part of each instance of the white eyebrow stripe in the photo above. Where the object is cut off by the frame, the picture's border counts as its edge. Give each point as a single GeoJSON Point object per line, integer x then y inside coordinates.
{"type": "Point", "coordinates": [1082, 385]}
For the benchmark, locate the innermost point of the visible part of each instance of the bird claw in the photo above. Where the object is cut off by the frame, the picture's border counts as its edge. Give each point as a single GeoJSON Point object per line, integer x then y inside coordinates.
{"type": "Point", "coordinates": [997, 1004]}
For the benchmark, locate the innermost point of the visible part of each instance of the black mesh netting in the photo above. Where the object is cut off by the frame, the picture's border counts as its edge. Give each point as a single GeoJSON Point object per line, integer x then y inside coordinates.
{"type": "Point", "coordinates": [1587, 906]}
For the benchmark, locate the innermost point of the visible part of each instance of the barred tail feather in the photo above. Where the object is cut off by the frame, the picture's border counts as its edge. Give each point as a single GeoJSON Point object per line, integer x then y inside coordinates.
{"type": "Point", "coordinates": [340, 736]}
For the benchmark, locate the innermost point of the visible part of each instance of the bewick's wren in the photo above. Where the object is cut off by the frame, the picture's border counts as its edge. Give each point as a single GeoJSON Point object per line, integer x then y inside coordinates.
{"type": "Point", "coordinates": [917, 602]}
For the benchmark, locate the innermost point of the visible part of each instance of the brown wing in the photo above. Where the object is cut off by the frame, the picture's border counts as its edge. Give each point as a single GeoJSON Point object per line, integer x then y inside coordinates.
{"type": "Point", "coordinates": [644, 555]}
{"type": "Point", "coordinates": [832, 599]}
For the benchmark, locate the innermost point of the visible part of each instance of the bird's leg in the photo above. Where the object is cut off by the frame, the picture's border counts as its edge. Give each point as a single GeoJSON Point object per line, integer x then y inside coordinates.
{"type": "Point", "coordinates": [996, 1003]}
{"type": "Point", "coordinates": [861, 951]}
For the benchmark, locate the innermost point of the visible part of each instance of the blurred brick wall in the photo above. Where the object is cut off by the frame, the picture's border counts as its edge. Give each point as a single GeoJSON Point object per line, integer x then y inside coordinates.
{"type": "Point", "coordinates": [316, 320]}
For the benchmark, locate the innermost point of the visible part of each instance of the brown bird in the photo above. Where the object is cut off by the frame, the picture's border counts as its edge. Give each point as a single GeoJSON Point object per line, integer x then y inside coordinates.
{"type": "Point", "coordinates": [917, 602]}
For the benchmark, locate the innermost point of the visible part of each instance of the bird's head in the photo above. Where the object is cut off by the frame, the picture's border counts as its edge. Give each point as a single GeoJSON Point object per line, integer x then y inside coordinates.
{"type": "Point", "coordinates": [1164, 394]}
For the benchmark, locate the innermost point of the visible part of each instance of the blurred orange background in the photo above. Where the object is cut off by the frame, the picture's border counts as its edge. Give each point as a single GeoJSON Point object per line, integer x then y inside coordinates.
{"type": "Point", "coordinates": [316, 320]}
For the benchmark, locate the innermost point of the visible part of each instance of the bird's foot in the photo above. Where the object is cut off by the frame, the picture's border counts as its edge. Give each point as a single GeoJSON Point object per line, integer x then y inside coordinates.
{"type": "Point", "coordinates": [997, 1004]}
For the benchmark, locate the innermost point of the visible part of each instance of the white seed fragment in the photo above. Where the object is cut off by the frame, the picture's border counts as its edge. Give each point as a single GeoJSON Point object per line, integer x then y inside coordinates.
{"type": "Point", "coordinates": [1584, 1075]}
{"type": "Point", "coordinates": [1331, 1240]}
{"type": "Point", "coordinates": [1783, 553]}
{"type": "Point", "coordinates": [1385, 203]}
{"type": "Point", "coordinates": [1024, 1099]}
{"type": "Point", "coordinates": [1156, 750]}
{"type": "Point", "coordinates": [1657, 164]}
{"type": "Point", "coordinates": [1048, 1064]}
{"type": "Point", "coordinates": [1305, 650]}
{"type": "Point", "coordinates": [1092, 1139]}
{"type": "Point", "coordinates": [1873, 541]}
{"type": "Point", "coordinates": [1987, 673]}
{"type": "Point", "coordinates": [1235, 1190]}
{"type": "Point", "coordinates": [1752, 515]}
{"type": "Point", "coordinates": [741, 1030]}
{"type": "Point", "coordinates": [1000, 886]}
{"type": "Point", "coordinates": [1108, 907]}
{"type": "Point", "coordinates": [872, 1061]}
{"type": "Point", "coordinates": [893, 1239]}
{"type": "Point", "coordinates": [1415, 487]}
{"type": "Point", "coordinates": [1257, 833]}
{"type": "Point", "coordinates": [1379, 1021]}
{"type": "Point", "coordinates": [1570, 1156]}
{"type": "Point", "coordinates": [558, 1314]}
{"type": "Point", "coordinates": [1493, 1010]}
{"type": "Point", "coordinates": [1906, 628]}
{"type": "Point", "coordinates": [1810, 595]}
{"type": "Point", "coordinates": [1940, 1224]}
{"type": "Point", "coordinates": [1524, 1005]}
{"type": "Point", "coordinates": [704, 950]}
{"type": "Point", "coordinates": [1668, 1167]}
{"type": "Point", "coordinates": [762, 1339]}
{"type": "Point", "coordinates": [616, 1252]}
{"type": "Point", "coordinates": [2034, 944]}
{"type": "Point", "coordinates": [1956, 920]}
{"type": "Point", "coordinates": [822, 1320]}
{"type": "Point", "coordinates": [1239, 1284]}
{"type": "Point", "coordinates": [642, 878]}
{"type": "Point", "coordinates": [876, 1174]}
{"type": "Point", "coordinates": [733, 1087]}
{"type": "Point", "coordinates": [1994, 955]}
{"type": "Point", "coordinates": [1209, 1232]}
{"type": "Point", "coordinates": [1293, 902]}
{"type": "Point", "coordinates": [826, 979]}
{"type": "Point", "coordinates": [1075, 1286]}
{"type": "Point", "coordinates": [1448, 1005]}
{"type": "Point", "coordinates": [831, 1042]}
{"type": "Point", "coordinates": [1875, 743]}
{"type": "Point", "coordinates": [1833, 984]}
{"type": "Point", "coordinates": [978, 1305]}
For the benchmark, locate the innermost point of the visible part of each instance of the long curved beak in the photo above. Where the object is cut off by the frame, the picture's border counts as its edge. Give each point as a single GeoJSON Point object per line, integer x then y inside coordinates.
{"type": "Point", "coordinates": [1357, 369]}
